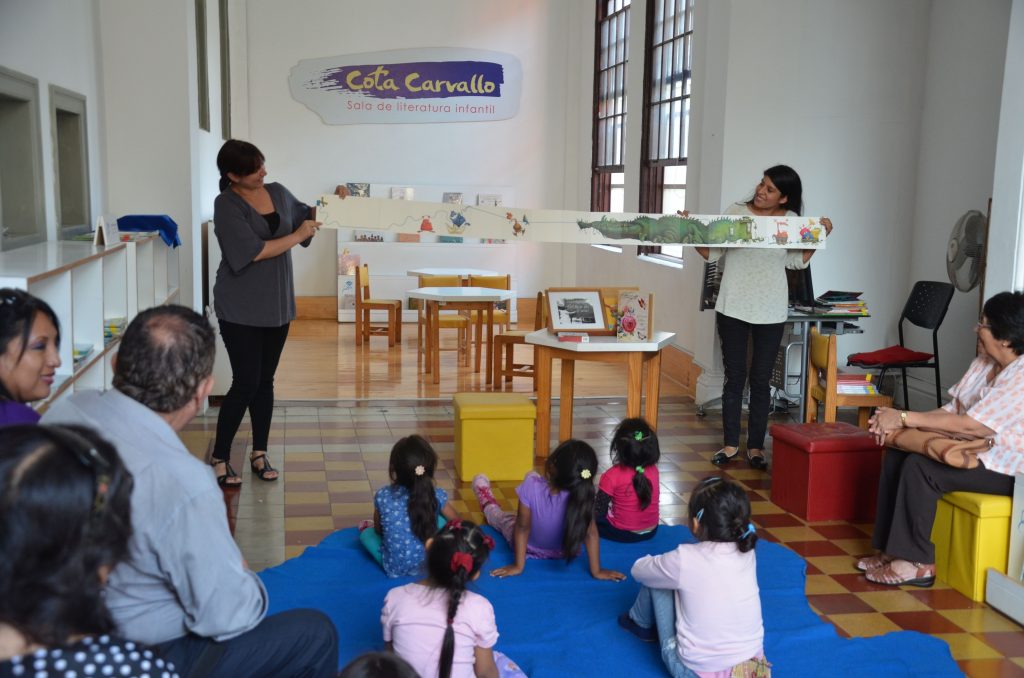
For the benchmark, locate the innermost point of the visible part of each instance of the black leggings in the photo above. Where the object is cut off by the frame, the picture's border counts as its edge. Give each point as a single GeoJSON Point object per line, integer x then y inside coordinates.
{"type": "Point", "coordinates": [254, 353]}
{"type": "Point", "coordinates": [734, 334]}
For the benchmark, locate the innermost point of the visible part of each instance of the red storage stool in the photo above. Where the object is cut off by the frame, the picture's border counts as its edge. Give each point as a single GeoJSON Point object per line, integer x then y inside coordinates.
{"type": "Point", "coordinates": [825, 471]}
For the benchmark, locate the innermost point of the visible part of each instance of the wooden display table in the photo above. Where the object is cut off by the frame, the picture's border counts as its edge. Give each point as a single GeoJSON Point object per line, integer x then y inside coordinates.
{"type": "Point", "coordinates": [642, 358]}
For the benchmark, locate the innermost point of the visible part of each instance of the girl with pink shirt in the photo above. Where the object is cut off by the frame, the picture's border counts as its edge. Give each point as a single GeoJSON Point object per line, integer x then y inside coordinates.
{"type": "Point", "coordinates": [438, 626]}
{"type": "Point", "coordinates": [627, 496]}
{"type": "Point", "coordinates": [555, 518]}
{"type": "Point", "coordinates": [701, 601]}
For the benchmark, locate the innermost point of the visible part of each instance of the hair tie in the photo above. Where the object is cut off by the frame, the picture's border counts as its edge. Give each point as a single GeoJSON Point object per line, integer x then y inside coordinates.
{"type": "Point", "coordinates": [462, 561]}
{"type": "Point", "coordinates": [488, 542]}
{"type": "Point", "coordinates": [700, 514]}
{"type": "Point", "coordinates": [585, 474]}
{"type": "Point", "coordinates": [419, 470]}
{"type": "Point", "coordinates": [749, 531]}
{"type": "Point", "coordinates": [640, 470]}
{"type": "Point", "coordinates": [638, 436]}
{"type": "Point", "coordinates": [455, 524]}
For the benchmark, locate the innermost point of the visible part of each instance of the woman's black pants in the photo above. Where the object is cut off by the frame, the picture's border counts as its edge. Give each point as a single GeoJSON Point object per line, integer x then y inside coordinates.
{"type": "Point", "coordinates": [734, 335]}
{"type": "Point", "coordinates": [254, 353]}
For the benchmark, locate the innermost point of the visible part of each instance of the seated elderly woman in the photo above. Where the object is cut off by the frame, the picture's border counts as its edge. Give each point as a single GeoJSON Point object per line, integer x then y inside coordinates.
{"type": "Point", "coordinates": [988, 403]}
{"type": "Point", "coordinates": [29, 339]}
{"type": "Point", "coordinates": [64, 524]}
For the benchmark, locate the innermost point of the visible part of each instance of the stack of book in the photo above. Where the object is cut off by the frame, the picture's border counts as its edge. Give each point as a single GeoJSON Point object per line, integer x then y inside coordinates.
{"type": "Point", "coordinates": [853, 383]}
{"type": "Point", "coordinates": [842, 304]}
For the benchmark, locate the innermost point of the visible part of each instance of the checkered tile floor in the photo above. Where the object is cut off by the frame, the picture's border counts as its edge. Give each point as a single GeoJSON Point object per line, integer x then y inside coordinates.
{"type": "Point", "coordinates": [333, 456]}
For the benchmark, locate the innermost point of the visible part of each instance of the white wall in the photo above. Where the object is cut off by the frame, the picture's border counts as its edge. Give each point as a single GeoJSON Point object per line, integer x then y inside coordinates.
{"type": "Point", "coordinates": [867, 101]}
{"type": "Point", "coordinates": [528, 151]}
{"type": "Point", "coordinates": [55, 42]}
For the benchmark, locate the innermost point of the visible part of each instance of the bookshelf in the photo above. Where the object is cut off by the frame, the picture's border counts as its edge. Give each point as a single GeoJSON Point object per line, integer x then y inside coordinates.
{"type": "Point", "coordinates": [92, 290]}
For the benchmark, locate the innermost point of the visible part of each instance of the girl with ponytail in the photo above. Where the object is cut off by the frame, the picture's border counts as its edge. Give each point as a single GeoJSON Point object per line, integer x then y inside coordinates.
{"type": "Point", "coordinates": [408, 511]}
{"type": "Point", "coordinates": [627, 497]}
{"type": "Point", "coordinates": [439, 626]}
{"type": "Point", "coordinates": [714, 581]}
{"type": "Point", "coordinates": [556, 514]}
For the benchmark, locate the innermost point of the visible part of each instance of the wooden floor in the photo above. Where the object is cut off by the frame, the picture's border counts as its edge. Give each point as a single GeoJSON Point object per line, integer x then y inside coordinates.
{"type": "Point", "coordinates": [322, 362]}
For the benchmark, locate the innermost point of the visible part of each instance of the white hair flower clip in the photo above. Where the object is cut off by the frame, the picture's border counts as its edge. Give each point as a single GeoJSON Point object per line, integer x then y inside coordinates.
{"type": "Point", "coordinates": [419, 470]}
{"type": "Point", "coordinates": [585, 474]}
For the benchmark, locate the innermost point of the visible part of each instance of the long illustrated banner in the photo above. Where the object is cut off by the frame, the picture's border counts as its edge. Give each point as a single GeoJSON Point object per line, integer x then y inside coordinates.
{"type": "Point", "coordinates": [564, 226]}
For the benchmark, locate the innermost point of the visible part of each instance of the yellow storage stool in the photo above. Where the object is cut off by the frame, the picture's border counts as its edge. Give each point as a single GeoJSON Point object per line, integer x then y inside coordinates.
{"type": "Point", "coordinates": [971, 534]}
{"type": "Point", "coordinates": [493, 435]}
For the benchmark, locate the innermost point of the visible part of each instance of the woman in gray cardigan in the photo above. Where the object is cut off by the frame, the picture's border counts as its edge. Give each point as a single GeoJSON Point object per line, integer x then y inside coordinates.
{"type": "Point", "coordinates": [256, 224]}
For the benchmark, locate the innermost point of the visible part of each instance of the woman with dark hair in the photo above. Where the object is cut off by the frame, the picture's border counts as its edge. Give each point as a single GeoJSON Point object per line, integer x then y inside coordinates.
{"type": "Point", "coordinates": [64, 524]}
{"type": "Point", "coordinates": [29, 357]}
{"type": "Point", "coordinates": [752, 303]}
{"type": "Point", "coordinates": [257, 224]}
{"type": "Point", "coordinates": [987, 404]}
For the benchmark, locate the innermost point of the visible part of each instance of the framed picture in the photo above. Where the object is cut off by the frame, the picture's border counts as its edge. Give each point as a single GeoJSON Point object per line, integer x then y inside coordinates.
{"type": "Point", "coordinates": [576, 310]}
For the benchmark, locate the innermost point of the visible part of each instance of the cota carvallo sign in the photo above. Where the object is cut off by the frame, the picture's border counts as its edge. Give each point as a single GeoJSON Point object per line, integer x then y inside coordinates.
{"type": "Point", "coordinates": [437, 84]}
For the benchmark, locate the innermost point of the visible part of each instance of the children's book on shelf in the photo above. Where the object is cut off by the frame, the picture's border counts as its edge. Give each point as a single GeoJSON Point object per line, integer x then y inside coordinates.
{"type": "Point", "coordinates": [834, 295]}
{"type": "Point", "coordinates": [856, 388]}
{"type": "Point", "coordinates": [854, 377]}
{"type": "Point", "coordinates": [633, 316]}
{"type": "Point", "coordinates": [577, 337]}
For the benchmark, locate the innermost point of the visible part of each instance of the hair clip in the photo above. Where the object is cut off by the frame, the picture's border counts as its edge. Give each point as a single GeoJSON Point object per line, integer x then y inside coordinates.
{"type": "Point", "coordinates": [420, 470]}
{"type": "Point", "coordinates": [488, 542]}
{"type": "Point", "coordinates": [700, 514]}
{"type": "Point", "coordinates": [455, 524]}
{"type": "Point", "coordinates": [639, 435]}
{"type": "Point", "coordinates": [710, 480]}
{"type": "Point", "coordinates": [462, 561]}
{"type": "Point", "coordinates": [749, 531]}
{"type": "Point", "coordinates": [640, 470]}
{"type": "Point", "coordinates": [585, 474]}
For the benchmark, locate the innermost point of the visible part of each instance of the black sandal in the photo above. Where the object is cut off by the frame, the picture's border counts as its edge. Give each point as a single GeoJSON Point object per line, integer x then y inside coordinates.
{"type": "Point", "coordinates": [229, 472]}
{"type": "Point", "coordinates": [261, 473]}
{"type": "Point", "coordinates": [722, 457]}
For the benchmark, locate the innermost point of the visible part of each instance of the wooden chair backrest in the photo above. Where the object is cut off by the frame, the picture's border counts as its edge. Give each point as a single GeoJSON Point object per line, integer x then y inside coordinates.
{"type": "Point", "coordinates": [491, 282]}
{"type": "Point", "coordinates": [821, 354]}
{"type": "Point", "coordinates": [362, 283]}
{"type": "Point", "coordinates": [441, 281]}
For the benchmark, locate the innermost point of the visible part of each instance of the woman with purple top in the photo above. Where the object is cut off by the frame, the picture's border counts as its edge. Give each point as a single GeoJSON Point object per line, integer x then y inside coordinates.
{"type": "Point", "coordinates": [29, 341]}
{"type": "Point", "coordinates": [556, 514]}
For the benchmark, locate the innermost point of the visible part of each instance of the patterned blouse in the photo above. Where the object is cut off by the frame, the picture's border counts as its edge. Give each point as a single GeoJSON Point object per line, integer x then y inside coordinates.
{"type": "Point", "coordinates": [401, 552]}
{"type": "Point", "coordinates": [997, 403]}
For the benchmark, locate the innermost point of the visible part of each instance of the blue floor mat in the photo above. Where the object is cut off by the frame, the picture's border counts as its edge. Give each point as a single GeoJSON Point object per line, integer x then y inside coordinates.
{"type": "Point", "coordinates": [555, 620]}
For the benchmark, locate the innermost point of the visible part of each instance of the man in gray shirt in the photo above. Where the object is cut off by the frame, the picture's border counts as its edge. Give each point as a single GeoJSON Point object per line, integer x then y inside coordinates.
{"type": "Point", "coordinates": [185, 587]}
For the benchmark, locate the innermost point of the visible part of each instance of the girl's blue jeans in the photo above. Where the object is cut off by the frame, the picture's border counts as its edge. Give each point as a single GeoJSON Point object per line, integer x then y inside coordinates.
{"type": "Point", "coordinates": [657, 608]}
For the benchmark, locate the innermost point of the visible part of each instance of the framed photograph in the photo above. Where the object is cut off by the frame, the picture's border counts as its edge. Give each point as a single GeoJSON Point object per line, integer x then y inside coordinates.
{"type": "Point", "coordinates": [576, 310]}
{"type": "Point", "coordinates": [357, 189]}
{"type": "Point", "coordinates": [451, 198]}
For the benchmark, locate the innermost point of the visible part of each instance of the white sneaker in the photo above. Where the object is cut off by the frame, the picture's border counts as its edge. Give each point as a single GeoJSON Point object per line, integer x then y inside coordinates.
{"type": "Point", "coordinates": [482, 490]}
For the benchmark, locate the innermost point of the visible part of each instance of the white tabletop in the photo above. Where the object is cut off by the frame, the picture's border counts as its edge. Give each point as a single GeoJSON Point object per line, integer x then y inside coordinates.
{"type": "Point", "coordinates": [461, 294]}
{"type": "Point", "coordinates": [659, 340]}
{"type": "Point", "coordinates": [462, 272]}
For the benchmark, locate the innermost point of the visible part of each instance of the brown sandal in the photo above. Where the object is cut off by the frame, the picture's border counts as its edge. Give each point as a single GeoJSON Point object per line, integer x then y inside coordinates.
{"type": "Point", "coordinates": [869, 563]}
{"type": "Point", "coordinates": [923, 576]}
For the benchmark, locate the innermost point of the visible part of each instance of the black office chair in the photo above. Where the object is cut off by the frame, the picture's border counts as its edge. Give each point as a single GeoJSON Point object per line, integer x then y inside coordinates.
{"type": "Point", "coordinates": [925, 308]}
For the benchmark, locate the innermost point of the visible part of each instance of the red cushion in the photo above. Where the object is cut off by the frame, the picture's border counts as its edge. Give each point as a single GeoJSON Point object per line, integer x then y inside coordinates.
{"type": "Point", "coordinates": [830, 437]}
{"type": "Point", "coordinates": [894, 355]}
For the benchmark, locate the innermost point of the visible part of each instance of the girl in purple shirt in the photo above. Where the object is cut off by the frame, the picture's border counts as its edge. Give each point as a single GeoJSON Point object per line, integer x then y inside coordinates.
{"type": "Point", "coordinates": [29, 358]}
{"type": "Point", "coordinates": [556, 514]}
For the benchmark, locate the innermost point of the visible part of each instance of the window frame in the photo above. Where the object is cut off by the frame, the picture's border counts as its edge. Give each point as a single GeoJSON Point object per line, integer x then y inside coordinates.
{"type": "Point", "coordinates": [652, 171]}
{"type": "Point", "coordinates": [70, 102]}
{"type": "Point", "coordinates": [21, 87]}
{"type": "Point", "coordinates": [601, 172]}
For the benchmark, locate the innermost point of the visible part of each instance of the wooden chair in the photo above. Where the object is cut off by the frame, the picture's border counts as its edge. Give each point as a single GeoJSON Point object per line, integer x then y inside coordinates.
{"type": "Point", "coordinates": [822, 384]}
{"type": "Point", "coordinates": [504, 365]}
{"type": "Point", "coordinates": [502, 318]}
{"type": "Point", "coordinates": [446, 320]}
{"type": "Point", "coordinates": [365, 303]}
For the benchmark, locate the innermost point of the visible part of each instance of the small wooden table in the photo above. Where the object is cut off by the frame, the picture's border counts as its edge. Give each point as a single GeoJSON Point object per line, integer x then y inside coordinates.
{"type": "Point", "coordinates": [642, 358]}
{"type": "Point", "coordinates": [481, 299]}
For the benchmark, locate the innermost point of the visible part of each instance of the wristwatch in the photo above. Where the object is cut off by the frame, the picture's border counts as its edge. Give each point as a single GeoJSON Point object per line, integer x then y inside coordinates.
{"type": "Point", "coordinates": [903, 418]}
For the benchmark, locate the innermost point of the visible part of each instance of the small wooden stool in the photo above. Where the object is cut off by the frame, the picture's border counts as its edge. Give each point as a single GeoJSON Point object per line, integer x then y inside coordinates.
{"type": "Point", "coordinates": [971, 533]}
{"type": "Point", "coordinates": [493, 435]}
